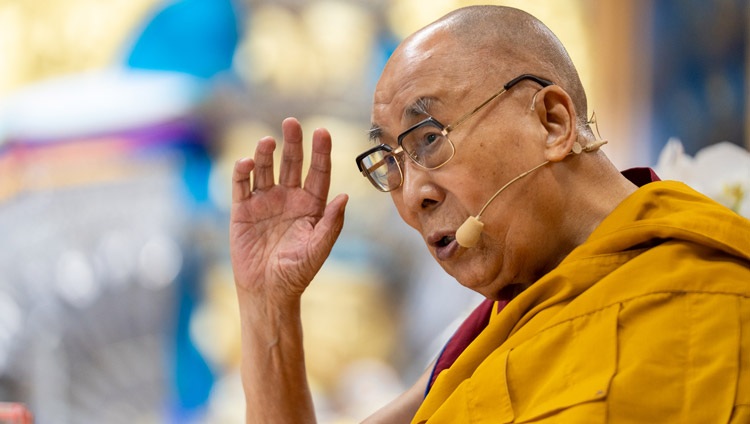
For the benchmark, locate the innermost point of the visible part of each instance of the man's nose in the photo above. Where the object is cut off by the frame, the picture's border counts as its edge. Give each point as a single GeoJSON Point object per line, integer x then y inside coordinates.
{"type": "Point", "coordinates": [418, 189]}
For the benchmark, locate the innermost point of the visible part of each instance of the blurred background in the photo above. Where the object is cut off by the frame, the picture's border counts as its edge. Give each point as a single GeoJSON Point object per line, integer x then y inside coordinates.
{"type": "Point", "coordinates": [120, 121]}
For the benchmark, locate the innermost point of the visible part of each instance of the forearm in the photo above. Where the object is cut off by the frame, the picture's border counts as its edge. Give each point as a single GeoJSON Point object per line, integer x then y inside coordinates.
{"type": "Point", "coordinates": [273, 365]}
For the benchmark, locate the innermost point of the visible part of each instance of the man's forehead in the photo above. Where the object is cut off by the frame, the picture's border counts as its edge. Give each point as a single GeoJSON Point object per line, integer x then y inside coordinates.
{"type": "Point", "coordinates": [421, 57]}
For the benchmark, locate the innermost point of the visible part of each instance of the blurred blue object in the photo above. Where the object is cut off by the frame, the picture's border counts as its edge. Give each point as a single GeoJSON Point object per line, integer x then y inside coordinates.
{"type": "Point", "coordinates": [196, 37]}
{"type": "Point", "coordinates": [191, 374]}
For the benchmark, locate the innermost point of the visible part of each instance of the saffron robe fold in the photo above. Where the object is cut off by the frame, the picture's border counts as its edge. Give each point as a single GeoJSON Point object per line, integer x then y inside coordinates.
{"type": "Point", "coordinates": [647, 321]}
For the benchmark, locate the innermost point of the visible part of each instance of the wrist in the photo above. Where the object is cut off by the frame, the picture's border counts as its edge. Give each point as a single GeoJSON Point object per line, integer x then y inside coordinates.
{"type": "Point", "coordinates": [273, 363]}
{"type": "Point", "coordinates": [268, 316]}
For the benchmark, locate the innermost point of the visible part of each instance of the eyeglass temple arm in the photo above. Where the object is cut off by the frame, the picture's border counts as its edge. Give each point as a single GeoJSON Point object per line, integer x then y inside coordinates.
{"type": "Point", "coordinates": [541, 81]}
{"type": "Point", "coordinates": [374, 166]}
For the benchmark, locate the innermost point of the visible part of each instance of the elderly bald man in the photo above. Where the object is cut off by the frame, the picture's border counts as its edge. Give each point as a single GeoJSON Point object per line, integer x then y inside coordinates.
{"type": "Point", "coordinates": [610, 298]}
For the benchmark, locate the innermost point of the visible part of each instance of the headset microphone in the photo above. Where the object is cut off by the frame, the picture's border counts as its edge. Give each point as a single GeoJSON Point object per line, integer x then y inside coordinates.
{"type": "Point", "coordinates": [469, 232]}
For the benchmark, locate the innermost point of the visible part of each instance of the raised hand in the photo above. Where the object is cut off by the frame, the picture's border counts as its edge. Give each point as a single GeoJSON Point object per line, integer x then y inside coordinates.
{"type": "Point", "coordinates": [280, 234]}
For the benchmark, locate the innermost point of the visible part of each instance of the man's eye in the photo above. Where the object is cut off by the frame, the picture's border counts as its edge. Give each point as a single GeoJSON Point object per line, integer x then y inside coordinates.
{"type": "Point", "coordinates": [431, 138]}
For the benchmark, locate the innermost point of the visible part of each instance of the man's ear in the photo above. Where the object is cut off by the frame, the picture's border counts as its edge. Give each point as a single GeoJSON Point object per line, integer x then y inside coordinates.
{"type": "Point", "coordinates": [556, 113]}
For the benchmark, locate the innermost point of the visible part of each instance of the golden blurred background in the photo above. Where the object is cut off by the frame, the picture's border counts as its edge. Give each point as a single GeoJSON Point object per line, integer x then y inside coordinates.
{"type": "Point", "coordinates": [120, 121]}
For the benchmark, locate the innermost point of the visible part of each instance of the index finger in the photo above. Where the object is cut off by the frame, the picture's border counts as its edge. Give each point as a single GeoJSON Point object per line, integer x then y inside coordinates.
{"type": "Point", "coordinates": [241, 179]}
{"type": "Point", "coordinates": [318, 179]}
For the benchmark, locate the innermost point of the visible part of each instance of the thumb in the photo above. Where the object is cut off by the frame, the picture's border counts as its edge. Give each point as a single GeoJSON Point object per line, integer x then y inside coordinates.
{"type": "Point", "coordinates": [329, 227]}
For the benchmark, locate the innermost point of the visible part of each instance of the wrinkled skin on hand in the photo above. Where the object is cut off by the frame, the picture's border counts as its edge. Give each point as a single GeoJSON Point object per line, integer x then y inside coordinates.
{"type": "Point", "coordinates": [281, 233]}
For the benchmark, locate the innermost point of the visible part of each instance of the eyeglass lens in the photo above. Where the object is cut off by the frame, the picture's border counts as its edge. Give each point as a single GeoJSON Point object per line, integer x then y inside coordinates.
{"type": "Point", "coordinates": [427, 145]}
{"type": "Point", "coordinates": [382, 169]}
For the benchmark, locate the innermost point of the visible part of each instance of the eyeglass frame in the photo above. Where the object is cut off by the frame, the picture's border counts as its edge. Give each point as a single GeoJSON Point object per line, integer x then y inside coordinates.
{"type": "Point", "coordinates": [444, 129]}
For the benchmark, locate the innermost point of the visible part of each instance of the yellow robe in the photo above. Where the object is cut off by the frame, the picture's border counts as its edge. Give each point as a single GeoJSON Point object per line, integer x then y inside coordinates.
{"type": "Point", "coordinates": [648, 321]}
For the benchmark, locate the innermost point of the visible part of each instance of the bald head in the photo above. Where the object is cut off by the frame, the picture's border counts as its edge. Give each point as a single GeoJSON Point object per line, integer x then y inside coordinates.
{"type": "Point", "coordinates": [512, 42]}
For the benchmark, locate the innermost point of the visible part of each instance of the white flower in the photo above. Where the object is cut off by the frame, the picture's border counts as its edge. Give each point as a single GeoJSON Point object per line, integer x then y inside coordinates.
{"type": "Point", "coordinates": [720, 171]}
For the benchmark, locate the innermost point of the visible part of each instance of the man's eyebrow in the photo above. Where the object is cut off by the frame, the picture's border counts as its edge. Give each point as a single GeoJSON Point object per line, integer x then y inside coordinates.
{"type": "Point", "coordinates": [418, 108]}
{"type": "Point", "coordinates": [375, 133]}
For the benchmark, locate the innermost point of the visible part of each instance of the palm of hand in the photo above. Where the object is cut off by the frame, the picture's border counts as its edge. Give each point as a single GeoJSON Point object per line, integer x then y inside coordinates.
{"type": "Point", "coordinates": [274, 230]}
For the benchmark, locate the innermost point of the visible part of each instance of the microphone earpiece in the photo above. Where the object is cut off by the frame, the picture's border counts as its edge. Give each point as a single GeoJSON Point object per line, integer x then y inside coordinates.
{"type": "Point", "coordinates": [594, 146]}
{"type": "Point", "coordinates": [578, 149]}
{"type": "Point", "coordinates": [468, 233]}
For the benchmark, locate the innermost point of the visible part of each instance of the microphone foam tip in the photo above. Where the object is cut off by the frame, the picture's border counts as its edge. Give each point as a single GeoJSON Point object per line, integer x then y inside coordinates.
{"type": "Point", "coordinates": [468, 233]}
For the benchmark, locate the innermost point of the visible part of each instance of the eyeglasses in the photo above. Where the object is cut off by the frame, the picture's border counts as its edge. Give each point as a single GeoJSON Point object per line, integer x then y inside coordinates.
{"type": "Point", "coordinates": [425, 143]}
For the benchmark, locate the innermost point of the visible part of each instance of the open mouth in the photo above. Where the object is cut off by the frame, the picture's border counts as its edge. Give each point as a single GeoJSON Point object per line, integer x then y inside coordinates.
{"type": "Point", "coordinates": [445, 240]}
{"type": "Point", "coordinates": [445, 247]}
